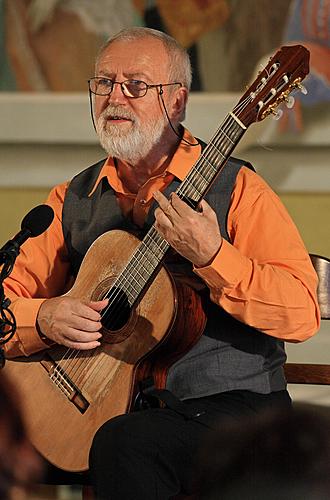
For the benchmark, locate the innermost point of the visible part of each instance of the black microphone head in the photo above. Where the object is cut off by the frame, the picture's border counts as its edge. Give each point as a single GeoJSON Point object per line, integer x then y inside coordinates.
{"type": "Point", "coordinates": [38, 220]}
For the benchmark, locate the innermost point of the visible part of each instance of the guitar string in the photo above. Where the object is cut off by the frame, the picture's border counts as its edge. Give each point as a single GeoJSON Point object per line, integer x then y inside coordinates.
{"type": "Point", "coordinates": [214, 145]}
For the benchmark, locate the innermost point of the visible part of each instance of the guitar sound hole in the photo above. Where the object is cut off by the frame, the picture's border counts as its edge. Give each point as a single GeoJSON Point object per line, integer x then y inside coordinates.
{"type": "Point", "coordinates": [118, 312]}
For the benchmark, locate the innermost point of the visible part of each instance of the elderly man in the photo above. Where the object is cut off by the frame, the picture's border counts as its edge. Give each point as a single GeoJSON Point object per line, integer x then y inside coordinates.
{"type": "Point", "coordinates": [243, 256]}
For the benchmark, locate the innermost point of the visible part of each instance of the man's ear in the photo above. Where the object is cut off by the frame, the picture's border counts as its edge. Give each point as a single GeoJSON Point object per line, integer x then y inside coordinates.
{"type": "Point", "coordinates": [179, 103]}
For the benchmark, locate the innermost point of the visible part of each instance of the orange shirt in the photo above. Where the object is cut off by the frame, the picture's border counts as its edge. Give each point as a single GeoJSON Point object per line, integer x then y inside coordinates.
{"type": "Point", "coordinates": [263, 278]}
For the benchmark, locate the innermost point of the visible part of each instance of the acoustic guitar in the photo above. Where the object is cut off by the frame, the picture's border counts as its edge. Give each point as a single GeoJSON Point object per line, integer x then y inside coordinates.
{"type": "Point", "coordinates": [151, 320]}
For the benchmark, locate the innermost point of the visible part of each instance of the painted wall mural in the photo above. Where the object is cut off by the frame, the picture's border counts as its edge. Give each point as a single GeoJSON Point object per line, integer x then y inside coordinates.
{"type": "Point", "coordinates": [50, 45]}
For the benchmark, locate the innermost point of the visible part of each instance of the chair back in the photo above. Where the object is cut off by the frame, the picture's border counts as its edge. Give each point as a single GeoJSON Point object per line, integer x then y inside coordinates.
{"type": "Point", "coordinates": [322, 267]}
{"type": "Point", "coordinates": [310, 373]}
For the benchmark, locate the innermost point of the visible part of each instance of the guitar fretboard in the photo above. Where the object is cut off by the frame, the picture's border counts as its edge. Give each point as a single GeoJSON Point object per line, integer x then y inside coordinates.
{"type": "Point", "coordinates": [200, 178]}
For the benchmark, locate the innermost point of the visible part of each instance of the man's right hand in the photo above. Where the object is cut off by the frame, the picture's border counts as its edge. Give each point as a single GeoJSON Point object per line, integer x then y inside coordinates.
{"type": "Point", "coordinates": [71, 322]}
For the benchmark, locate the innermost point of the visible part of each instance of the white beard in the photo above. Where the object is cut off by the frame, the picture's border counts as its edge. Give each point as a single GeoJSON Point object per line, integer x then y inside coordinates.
{"type": "Point", "coordinates": [128, 145]}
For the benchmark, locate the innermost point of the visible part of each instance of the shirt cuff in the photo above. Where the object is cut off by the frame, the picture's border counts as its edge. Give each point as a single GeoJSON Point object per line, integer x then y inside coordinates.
{"type": "Point", "coordinates": [28, 335]}
{"type": "Point", "coordinates": [226, 269]}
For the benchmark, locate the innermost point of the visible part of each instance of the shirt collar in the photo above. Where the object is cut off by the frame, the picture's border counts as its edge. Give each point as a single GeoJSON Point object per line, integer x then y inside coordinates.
{"type": "Point", "coordinates": [181, 163]}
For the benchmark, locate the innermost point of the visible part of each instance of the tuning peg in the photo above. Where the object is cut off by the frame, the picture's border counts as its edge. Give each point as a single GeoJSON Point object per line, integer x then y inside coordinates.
{"type": "Point", "coordinates": [289, 101]}
{"type": "Point", "coordinates": [302, 89]}
{"type": "Point", "coordinates": [278, 113]}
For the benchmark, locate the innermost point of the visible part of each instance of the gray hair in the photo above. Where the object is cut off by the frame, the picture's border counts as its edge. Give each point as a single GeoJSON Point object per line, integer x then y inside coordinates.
{"type": "Point", "coordinates": [179, 62]}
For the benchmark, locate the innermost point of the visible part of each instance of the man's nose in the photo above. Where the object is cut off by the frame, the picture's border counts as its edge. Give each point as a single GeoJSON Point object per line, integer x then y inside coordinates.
{"type": "Point", "coordinates": [117, 94]}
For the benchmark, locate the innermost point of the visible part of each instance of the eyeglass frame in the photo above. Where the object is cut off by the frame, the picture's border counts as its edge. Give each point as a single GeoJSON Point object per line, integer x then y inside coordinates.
{"type": "Point", "coordinates": [160, 85]}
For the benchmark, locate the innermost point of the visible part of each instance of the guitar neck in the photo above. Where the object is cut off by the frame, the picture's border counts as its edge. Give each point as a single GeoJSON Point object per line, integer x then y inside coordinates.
{"type": "Point", "coordinates": [212, 160]}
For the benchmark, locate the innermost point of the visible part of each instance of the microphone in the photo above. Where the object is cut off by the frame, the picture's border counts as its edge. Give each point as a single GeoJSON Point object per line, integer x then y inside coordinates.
{"type": "Point", "coordinates": [33, 224]}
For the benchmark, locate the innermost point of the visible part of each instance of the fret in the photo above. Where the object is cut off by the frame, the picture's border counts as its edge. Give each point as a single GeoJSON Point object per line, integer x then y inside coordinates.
{"type": "Point", "coordinates": [155, 243]}
{"type": "Point", "coordinates": [191, 197]}
{"type": "Point", "coordinates": [130, 288]}
{"type": "Point", "coordinates": [143, 272]}
{"type": "Point", "coordinates": [147, 256]}
{"type": "Point", "coordinates": [142, 267]}
{"type": "Point", "coordinates": [204, 169]}
{"type": "Point", "coordinates": [196, 184]}
{"type": "Point", "coordinates": [217, 150]}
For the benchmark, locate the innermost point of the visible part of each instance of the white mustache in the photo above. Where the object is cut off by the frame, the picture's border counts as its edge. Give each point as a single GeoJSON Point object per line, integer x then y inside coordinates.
{"type": "Point", "coordinates": [117, 112]}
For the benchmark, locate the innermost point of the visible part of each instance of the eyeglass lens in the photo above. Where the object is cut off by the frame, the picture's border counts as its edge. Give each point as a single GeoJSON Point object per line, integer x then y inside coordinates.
{"type": "Point", "coordinates": [130, 88]}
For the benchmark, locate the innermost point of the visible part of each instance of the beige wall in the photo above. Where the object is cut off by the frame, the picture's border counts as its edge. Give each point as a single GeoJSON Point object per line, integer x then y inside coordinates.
{"type": "Point", "coordinates": [14, 204]}
{"type": "Point", "coordinates": [311, 215]}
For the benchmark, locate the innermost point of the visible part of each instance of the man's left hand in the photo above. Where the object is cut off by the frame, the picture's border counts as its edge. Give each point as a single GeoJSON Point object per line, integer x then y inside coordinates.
{"type": "Point", "coordinates": [193, 234]}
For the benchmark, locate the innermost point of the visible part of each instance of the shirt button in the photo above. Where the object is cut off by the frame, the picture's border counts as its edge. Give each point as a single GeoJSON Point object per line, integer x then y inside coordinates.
{"type": "Point", "coordinates": [143, 202]}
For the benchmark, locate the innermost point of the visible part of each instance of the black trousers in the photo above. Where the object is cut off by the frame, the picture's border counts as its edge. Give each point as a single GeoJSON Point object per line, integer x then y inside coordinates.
{"type": "Point", "coordinates": [153, 454]}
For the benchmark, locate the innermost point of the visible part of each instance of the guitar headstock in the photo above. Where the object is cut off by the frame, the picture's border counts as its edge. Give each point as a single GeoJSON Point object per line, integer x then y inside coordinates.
{"type": "Point", "coordinates": [274, 84]}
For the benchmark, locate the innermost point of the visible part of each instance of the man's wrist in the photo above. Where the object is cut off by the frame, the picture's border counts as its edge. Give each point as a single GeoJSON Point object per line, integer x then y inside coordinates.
{"type": "Point", "coordinates": [46, 340]}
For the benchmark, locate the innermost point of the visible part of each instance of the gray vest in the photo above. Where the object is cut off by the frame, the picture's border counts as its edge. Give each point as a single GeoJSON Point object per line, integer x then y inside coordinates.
{"type": "Point", "coordinates": [230, 354]}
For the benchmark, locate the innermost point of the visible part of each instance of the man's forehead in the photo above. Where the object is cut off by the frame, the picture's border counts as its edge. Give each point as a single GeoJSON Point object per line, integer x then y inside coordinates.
{"type": "Point", "coordinates": [144, 56]}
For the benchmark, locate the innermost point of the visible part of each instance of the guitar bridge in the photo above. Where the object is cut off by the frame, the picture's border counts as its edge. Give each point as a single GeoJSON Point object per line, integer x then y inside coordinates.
{"type": "Point", "coordinates": [61, 379]}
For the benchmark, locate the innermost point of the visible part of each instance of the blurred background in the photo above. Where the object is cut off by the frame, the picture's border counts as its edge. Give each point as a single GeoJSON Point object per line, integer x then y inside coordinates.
{"type": "Point", "coordinates": [47, 53]}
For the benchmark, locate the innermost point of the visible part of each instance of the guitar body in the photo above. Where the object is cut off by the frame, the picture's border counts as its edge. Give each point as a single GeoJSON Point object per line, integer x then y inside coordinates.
{"type": "Point", "coordinates": [67, 395]}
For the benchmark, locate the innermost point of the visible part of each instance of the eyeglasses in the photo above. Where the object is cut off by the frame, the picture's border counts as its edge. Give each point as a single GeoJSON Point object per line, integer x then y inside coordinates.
{"type": "Point", "coordinates": [130, 88]}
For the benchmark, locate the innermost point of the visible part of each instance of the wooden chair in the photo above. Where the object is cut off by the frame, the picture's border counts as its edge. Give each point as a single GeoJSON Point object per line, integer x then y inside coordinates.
{"type": "Point", "coordinates": [309, 373]}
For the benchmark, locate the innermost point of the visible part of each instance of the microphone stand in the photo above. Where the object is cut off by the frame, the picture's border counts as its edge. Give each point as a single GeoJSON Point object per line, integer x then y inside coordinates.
{"type": "Point", "coordinates": [7, 318]}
